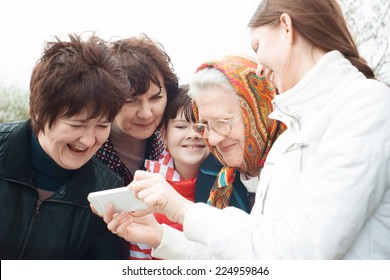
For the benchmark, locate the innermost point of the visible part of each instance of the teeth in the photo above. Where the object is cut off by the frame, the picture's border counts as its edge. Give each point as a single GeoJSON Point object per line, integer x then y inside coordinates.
{"type": "Point", "coordinates": [81, 149]}
{"type": "Point", "coordinates": [192, 147]}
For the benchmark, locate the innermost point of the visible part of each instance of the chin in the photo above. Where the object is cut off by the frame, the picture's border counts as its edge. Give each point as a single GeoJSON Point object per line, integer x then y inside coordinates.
{"type": "Point", "coordinates": [233, 163]}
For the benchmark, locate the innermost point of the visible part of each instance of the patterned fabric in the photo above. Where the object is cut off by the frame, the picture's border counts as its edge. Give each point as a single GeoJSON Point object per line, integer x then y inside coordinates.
{"type": "Point", "coordinates": [220, 195]}
{"type": "Point", "coordinates": [108, 155]}
{"type": "Point", "coordinates": [255, 96]}
{"type": "Point", "coordinates": [164, 166]}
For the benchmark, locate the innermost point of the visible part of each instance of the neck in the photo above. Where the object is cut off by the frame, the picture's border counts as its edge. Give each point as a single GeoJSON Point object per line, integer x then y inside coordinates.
{"type": "Point", "coordinates": [117, 135]}
{"type": "Point", "coordinates": [305, 55]}
{"type": "Point", "coordinates": [187, 171]}
{"type": "Point", "coordinates": [47, 174]}
{"type": "Point", "coordinates": [130, 150]}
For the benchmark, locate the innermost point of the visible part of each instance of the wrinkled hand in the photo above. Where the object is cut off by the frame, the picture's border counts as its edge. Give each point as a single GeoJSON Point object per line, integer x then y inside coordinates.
{"type": "Point", "coordinates": [140, 226]}
{"type": "Point", "coordinates": [159, 195]}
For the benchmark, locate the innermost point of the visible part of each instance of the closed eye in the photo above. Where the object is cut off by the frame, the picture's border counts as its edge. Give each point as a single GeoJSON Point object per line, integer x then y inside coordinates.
{"type": "Point", "coordinates": [181, 126]}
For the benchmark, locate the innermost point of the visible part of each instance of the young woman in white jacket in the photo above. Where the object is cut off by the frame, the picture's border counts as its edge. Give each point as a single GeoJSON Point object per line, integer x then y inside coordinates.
{"type": "Point", "coordinates": [324, 190]}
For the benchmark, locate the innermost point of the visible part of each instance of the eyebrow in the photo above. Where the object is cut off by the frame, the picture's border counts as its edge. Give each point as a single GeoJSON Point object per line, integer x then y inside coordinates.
{"type": "Point", "coordinates": [162, 90]}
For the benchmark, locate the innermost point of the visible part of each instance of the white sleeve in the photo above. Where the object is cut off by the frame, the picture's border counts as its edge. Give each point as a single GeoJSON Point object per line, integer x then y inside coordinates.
{"type": "Point", "coordinates": [175, 246]}
{"type": "Point", "coordinates": [217, 230]}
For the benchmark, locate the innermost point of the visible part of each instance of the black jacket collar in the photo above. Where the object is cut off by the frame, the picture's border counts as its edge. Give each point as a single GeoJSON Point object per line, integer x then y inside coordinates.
{"type": "Point", "coordinates": [93, 176]}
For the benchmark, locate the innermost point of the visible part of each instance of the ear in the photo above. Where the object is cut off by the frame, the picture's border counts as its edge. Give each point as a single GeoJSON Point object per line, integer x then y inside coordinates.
{"type": "Point", "coordinates": [287, 27]}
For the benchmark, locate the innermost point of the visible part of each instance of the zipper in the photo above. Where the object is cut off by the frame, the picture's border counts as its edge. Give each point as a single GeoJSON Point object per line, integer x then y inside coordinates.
{"type": "Point", "coordinates": [34, 221]}
{"type": "Point", "coordinates": [37, 213]}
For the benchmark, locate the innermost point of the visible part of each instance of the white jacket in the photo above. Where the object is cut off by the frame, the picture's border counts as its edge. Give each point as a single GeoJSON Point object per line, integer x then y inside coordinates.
{"type": "Point", "coordinates": [324, 189]}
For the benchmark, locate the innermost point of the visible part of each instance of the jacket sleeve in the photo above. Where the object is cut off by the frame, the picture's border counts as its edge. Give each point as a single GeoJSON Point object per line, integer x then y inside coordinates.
{"type": "Point", "coordinates": [175, 246]}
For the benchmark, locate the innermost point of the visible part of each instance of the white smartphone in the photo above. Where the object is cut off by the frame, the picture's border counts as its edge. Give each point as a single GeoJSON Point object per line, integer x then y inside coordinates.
{"type": "Point", "coordinates": [122, 198]}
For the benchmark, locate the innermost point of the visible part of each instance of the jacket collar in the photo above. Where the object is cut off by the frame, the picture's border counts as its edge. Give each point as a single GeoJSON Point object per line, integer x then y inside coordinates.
{"type": "Point", "coordinates": [91, 177]}
{"type": "Point", "coordinates": [317, 89]}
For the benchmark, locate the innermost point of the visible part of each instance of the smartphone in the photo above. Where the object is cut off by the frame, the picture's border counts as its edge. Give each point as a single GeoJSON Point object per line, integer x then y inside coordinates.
{"type": "Point", "coordinates": [122, 198]}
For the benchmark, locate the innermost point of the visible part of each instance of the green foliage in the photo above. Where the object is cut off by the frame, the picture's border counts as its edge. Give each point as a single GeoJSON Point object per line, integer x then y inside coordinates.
{"type": "Point", "coordinates": [14, 103]}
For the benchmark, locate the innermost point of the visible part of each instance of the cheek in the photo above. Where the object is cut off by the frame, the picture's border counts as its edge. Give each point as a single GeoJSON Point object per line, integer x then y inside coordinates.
{"type": "Point", "coordinates": [126, 114]}
{"type": "Point", "coordinates": [101, 136]}
{"type": "Point", "coordinates": [158, 110]}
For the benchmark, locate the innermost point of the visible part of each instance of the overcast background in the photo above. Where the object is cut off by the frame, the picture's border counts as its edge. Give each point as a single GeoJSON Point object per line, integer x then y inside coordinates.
{"type": "Point", "coordinates": [190, 31]}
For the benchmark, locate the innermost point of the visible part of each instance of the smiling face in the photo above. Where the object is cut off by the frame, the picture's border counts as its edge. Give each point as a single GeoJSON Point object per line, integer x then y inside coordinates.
{"type": "Point", "coordinates": [273, 46]}
{"type": "Point", "coordinates": [72, 141]}
{"type": "Point", "coordinates": [217, 104]}
{"type": "Point", "coordinates": [140, 116]}
{"type": "Point", "coordinates": [187, 148]}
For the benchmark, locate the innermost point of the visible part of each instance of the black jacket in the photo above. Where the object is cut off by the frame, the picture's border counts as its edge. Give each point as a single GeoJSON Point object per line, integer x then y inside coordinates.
{"type": "Point", "coordinates": [61, 227]}
{"type": "Point", "coordinates": [209, 170]}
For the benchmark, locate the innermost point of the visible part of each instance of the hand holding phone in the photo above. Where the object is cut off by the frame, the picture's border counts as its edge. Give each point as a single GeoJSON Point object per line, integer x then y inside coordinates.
{"type": "Point", "coordinates": [122, 198]}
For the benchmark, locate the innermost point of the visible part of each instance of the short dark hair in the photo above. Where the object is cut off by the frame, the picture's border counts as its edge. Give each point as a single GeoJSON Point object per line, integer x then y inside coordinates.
{"type": "Point", "coordinates": [73, 76]}
{"type": "Point", "coordinates": [180, 100]}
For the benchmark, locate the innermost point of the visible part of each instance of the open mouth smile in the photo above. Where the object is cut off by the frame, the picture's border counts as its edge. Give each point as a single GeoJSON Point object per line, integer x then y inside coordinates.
{"type": "Point", "coordinates": [77, 149]}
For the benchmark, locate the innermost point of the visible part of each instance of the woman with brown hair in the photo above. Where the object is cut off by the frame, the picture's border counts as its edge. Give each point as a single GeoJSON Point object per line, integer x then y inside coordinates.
{"type": "Point", "coordinates": [135, 133]}
{"type": "Point", "coordinates": [48, 164]}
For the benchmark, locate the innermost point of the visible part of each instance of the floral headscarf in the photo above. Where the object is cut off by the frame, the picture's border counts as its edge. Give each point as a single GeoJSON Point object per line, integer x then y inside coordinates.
{"type": "Point", "coordinates": [255, 95]}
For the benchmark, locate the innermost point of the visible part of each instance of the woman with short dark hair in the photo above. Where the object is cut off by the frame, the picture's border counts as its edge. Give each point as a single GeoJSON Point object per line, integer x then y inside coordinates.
{"type": "Point", "coordinates": [47, 163]}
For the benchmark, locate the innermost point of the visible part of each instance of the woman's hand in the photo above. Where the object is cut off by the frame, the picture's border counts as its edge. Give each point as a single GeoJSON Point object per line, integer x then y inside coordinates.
{"type": "Point", "coordinates": [139, 226]}
{"type": "Point", "coordinates": [159, 195]}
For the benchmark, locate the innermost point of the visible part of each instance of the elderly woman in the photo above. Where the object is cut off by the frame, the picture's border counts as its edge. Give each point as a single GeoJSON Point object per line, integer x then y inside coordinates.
{"type": "Point", "coordinates": [238, 133]}
{"type": "Point", "coordinates": [47, 163]}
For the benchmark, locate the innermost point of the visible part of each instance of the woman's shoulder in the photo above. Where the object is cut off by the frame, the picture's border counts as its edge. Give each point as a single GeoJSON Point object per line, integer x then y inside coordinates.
{"type": "Point", "coordinates": [7, 129]}
{"type": "Point", "coordinates": [369, 94]}
{"type": "Point", "coordinates": [105, 174]}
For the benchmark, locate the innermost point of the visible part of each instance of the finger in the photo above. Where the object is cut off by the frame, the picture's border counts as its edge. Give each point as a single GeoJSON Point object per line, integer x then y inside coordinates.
{"type": "Point", "coordinates": [140, 213]}
{"type": "Point", "coordinates": [116, 220]}
{"type": "Point", "coordinates": [142, 184]}
{"type": "Point", "coordinates": [122, 229]}
{"type": "Point", "coordinates": [108, 213]}
{"type": "Point", "coordinates": [94, 210]}
{"type": "Point", "coordinates": [141, 174]}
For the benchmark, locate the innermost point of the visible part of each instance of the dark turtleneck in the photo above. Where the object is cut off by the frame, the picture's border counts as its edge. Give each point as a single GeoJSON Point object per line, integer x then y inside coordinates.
{"type": "Point", "coordinates": [47, 174]}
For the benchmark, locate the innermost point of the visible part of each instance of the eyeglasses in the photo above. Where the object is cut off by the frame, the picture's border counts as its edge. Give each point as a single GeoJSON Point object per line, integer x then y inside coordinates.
{"type": "Point", "coordinates": [222, 127]}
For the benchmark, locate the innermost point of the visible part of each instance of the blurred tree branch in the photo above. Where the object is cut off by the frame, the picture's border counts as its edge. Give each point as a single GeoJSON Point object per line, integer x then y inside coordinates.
{"type": "Point", "coordinates": [369, 23]}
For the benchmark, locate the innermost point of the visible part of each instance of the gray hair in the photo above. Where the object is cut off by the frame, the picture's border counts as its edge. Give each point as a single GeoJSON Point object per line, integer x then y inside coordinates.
{"type": "Point", "coordinates": [210, 78]}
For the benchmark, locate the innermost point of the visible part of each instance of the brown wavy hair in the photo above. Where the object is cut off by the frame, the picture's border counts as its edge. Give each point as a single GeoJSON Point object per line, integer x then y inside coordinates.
{"type": "Point", "coordinates": [145, 60]}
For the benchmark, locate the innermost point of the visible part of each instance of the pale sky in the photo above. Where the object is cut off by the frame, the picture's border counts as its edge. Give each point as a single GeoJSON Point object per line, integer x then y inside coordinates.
{"type": "Point", "coordinates": [191, 31]}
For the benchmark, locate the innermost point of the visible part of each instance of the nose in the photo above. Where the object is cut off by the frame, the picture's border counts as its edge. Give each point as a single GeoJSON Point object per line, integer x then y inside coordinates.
{"type": "Point", "coordinates": [88, 138]}
{"type": "Point", "coordinates": [260, 70]}
{"type": "Point", "coordinates": [145, 110]}
{"type": "Point", "coordinates": [192, 134]}
{"type": "Point", "coordinates": [214, 138]}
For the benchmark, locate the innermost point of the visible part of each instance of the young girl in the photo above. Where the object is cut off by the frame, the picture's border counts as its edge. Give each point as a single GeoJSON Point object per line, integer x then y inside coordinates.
{"type": "Point", "coordinates": [180, 162]}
